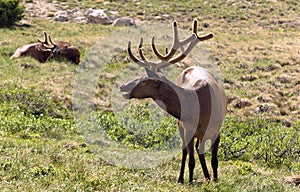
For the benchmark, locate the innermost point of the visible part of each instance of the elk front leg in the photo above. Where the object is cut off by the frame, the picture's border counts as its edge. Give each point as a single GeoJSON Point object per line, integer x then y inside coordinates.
{"type": "Point", "coordinates": [184, 153]}
{"type": "Point", "coordinates": [183, 159]}
{"type": "Point", "coordinates": [214, 158]}
{"type": "Point", "coordinates": [189, 149]}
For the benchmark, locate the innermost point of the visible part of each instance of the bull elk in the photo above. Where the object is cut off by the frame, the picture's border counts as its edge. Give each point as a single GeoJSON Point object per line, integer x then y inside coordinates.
{"type": "Point", "coordinates": [45, 50]}
{"type": "Point", "coordinates": [197, 100]}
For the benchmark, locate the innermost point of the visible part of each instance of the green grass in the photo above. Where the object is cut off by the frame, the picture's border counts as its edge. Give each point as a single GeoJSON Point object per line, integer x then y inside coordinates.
{"type": "Point", "coordinates": [41, 148]}
{"type": "Point", "coordinates": [45, 164]}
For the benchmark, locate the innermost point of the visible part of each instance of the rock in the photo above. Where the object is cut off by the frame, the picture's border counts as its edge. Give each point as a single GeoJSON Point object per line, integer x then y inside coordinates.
{"type": "Point", "coordinates": [61, 16]}
{"type": "Point", "coordinates": [50, 14]}
{"type": "Point", "coordinates": [81, 19]}
{"type": "Point", "coordinates": [159, 18]}
{"type": "Point", "coordinates": [124, 22]}
{"type": "Point", "coordinates": [98, 16]}
{"type": "Point", "coordinates": [77, 13]}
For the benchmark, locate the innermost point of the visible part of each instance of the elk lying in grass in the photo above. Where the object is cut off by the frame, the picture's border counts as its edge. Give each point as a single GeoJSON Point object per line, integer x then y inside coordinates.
{"type": "Point", "coordinates": [45, 50]}
{"type": "Point", "coordinates": [196, 100]}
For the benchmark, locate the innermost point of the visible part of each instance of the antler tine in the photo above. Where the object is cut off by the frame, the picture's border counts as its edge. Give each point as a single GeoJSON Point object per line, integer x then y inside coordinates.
{"type": "Point", "coordinates": [195, 26]}
{"type": "Point", "coordinates": [51, 40]}
{"type": "Point", "coordinates": [136, 60]}
{"type": "Point", "coordinates": [189, 48]}
{"type": "Point", "coordinates": [45, 38]}
{"type": "Point", "coordinates": [141, 43]}
{"type": "Point", "coordinates": [192, 44]}
{"type": "Point", "coordinates": [147, 63]}
{"type": "Point", "coordinates": [200, 38]}
{"type": "Point", "coordinates": [176, 43]}
{"type": "Point", "coordinates": [174, 46]}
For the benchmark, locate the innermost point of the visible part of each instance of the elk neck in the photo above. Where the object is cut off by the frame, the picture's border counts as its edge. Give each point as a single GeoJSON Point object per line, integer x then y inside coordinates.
{"type": "Point", "coordinates": [166, 96]}
{"type": "Point", "coordinates": [183, 103]}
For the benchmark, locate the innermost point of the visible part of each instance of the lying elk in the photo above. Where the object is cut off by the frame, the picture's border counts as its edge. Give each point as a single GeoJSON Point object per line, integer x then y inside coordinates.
{"type": "Point", "coordinates": [45, 50]}
{"type": "Point", "coordinates": [196, 100]}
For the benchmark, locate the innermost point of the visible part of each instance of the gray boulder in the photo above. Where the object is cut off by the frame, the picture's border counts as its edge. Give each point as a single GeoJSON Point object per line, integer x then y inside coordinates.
{"type": "Point", "coordinates": [98, 16]}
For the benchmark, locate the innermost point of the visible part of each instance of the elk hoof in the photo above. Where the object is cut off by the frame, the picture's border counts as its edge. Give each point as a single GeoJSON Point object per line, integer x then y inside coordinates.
{"type": "Point", "coordinates": [180, 181]}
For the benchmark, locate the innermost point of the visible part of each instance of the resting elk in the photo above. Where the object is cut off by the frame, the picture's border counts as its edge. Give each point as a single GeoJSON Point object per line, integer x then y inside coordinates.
{"type": "Point", "coordinates": [197, 100]}
{"type": "Point", "coordinates": [44, 51]}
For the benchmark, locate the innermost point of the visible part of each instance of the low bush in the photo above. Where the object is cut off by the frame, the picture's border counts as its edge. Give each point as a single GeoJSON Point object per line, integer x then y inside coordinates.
{"type": "Point", "coordinates": [30, 112]}
{"type": "Point", "coordinates": [141, 128]}
{"type": "Point", "coordinates": [257, 139]}
{"type": "Point", "coordinates": [10, 12]}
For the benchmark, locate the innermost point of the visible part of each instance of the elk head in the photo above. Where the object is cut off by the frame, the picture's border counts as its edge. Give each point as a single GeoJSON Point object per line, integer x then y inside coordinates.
{"type": "Point", "coordinates": [60, 50]}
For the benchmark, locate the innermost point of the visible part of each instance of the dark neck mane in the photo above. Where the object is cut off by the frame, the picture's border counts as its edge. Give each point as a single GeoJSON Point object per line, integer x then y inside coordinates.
{"type": "Point", "coordinates": [167, 98]}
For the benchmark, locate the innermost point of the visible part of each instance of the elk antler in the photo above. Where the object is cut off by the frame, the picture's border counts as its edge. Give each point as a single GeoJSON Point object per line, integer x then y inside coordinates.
{"type": "Point", "coordinates": [167, 60]}
{"type": "Point", "coordinates": [45, 45]}
{"type": "Point", "coordinates": [45, 38]}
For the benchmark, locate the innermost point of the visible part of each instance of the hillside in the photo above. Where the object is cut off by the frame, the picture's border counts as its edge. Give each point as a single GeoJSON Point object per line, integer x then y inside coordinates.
{"type": "Point", "coordinates": [46, 147]}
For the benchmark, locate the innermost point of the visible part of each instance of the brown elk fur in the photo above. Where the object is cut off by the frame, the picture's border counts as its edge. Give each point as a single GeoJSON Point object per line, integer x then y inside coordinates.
{"type": "Point", "coordinates": [33, 51]}
{"type": "Point", "coordinates": [69, 53]}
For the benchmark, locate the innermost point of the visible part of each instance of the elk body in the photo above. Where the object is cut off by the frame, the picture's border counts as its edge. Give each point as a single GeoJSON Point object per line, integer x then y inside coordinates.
{"type": "Point", "coordinates": [197, 100]}
{"type": "Point", "coordinates": [44, 51]}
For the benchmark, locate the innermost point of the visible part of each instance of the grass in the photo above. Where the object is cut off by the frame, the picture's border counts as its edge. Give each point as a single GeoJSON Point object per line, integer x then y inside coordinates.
{"type": "Point", "coordinates": [255, 46]}
{"type": "Point", "coordinates": [52, 165]}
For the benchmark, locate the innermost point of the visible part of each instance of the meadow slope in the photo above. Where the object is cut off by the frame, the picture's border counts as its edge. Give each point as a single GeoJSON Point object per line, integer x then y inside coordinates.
{"type": "Point", "coordinates": [256, 48]}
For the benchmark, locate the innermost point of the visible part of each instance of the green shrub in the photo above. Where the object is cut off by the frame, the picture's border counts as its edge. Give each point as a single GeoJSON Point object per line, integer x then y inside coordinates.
{"type": "Point", "coordinates": [32, 102]}
{"type": "Point", "coordinates": [257, 139]}
{"type": "Point", "coordinates": [32, 113]}
{"type": "Point", "coordinates": [10, 12]}
{"type": "Point", "coordinates": [141, 128]}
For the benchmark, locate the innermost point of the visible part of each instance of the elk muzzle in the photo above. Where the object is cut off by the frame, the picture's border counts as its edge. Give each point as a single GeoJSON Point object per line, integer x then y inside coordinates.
{"type": "Point", "coordinates": [128, 87]}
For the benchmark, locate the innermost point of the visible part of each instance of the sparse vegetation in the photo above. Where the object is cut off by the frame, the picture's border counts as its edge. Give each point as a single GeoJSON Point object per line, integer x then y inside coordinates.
{"type": "Point", "coordinates": [256, 46]}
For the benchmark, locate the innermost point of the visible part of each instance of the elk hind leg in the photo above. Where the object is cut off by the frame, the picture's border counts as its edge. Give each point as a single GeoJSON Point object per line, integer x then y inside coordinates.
{"type": "Point", "coordinates": [200, 152]}
{"type": "Point", "coordinates": [191, 160]}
